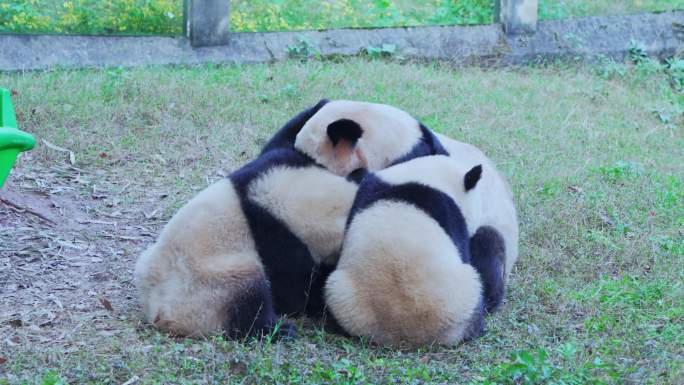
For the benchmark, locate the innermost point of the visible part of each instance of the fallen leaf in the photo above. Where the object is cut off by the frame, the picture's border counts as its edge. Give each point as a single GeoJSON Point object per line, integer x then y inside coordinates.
{"type": "Point", "coordinates": [107, 305]}
{"type": "Point", "coordinates": [2, 360]}
{"type": "Point", "coordinates": [16, 323]}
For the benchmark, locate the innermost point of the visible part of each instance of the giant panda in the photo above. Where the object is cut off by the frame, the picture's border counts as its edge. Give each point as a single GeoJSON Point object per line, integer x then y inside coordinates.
{"type": "Point", "coordinates": [407, 271]}
{"type": "Point", "coordinates": [248, 248]}
{"type": "Point", "coordinates": [345, 135]}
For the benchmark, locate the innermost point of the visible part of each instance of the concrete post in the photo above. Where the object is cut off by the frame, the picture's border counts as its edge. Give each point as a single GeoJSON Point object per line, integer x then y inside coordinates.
{"type": "Point", "coordinates": [206, 22]}
{"type": "Point", "coordinates": [517, 16]}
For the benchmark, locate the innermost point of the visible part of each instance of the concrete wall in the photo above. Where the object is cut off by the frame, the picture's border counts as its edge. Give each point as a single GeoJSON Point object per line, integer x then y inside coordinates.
{"type": "Point", "coordinates": [482, 45]}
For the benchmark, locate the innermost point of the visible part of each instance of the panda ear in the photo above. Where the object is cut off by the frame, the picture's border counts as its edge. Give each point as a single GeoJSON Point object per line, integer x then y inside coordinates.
{"type": "Point", "coordinates": [472, 177]}
{"type": "Point", "coordinates": [320, 104]}
{"type": "Point", "coordinates": [344, 129]}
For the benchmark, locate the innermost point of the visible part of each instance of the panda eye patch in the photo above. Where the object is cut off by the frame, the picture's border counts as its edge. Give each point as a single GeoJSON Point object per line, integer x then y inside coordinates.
{"type": "Point", "coordinates": [344, 129]}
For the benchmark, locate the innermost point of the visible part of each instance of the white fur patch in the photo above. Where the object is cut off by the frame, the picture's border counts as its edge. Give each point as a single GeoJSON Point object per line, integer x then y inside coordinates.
{"type": "Point", "coordinates": [498, 209]}
{"type": "Point", "coordinates": [313, 202]}
{"type": "Point", "coordinates": [402, 282]}
{"type": "Point", "coordinates": [388, 134]}
{"type": "Point", "coordinates": [203, 257]}
{"type": "Point", "coordinates": [443, 174]}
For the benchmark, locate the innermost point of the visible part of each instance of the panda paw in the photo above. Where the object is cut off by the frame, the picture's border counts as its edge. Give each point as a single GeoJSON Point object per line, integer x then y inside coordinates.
{"type": "Point", "coordinates": [476, 324]}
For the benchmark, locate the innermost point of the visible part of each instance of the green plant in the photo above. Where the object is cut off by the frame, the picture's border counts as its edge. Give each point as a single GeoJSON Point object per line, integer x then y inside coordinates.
{"type": "Point", "coordinates": [51, 377]}
{"type": "Point", "coordinates": [550, 188]}
{"type": "Point", "coordinates": [463, 12]}
{"type": "Point", "coordinates": [303, 50]}
{"type": "Point", "coordinates": [23, 16]}
{"type": "Point", "coordinates": [165, 16]}
{"type": "Point", "coordinates": [384, 51]}
{"type": "Point", "coordinates": [608, 68]}
{"type": "Point", "coordinates": [162, 17]}
{"type": "Point", "coordinates": [674, 67]}
{"type": "Point", "coordinates": [342, 372]}
{"type": "Point", "coordinates": [530, 368]}
{"type": "Point", "coordinates": [555, 9]}
{"type": "Point", "coordinates": [620, 171]}
{"type": "Point", "coordinates": [637, 52]}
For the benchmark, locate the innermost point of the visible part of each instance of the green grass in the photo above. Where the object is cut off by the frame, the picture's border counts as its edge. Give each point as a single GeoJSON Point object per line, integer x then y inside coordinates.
{"type": "Point", "coordinates": [596, 297]}
{"type": "Point", "coordinates": [558, 9]}
{"type": "Point", "coordinates": [165, 16]}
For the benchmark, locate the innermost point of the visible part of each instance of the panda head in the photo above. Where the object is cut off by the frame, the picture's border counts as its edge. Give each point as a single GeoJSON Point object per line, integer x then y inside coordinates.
{"type": "Point", "coordinates": [347, 135]}
{"type": "Point", "coordinates": [457, 180]}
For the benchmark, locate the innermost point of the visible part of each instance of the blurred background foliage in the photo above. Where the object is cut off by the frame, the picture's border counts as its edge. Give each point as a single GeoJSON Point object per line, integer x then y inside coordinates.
{"type": "Point", "coordinates": [165, 17]}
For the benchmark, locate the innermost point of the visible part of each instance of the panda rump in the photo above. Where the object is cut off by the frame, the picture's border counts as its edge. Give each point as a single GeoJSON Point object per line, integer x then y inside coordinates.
{"type": "Point", "coordinates": [411, 281]}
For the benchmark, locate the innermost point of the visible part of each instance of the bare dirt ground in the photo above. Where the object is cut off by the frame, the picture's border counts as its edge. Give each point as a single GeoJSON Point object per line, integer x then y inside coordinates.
{"type": "Point", "coordinates": [66, 257]}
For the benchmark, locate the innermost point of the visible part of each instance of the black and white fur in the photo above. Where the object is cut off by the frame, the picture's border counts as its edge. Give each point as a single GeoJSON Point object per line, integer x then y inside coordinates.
{"type": "Point", "coordinates": [345, 135]}
{"type": "Point", "coordinates": [408, 271]}
{"type": "Point", "coordinates": [247, 249]}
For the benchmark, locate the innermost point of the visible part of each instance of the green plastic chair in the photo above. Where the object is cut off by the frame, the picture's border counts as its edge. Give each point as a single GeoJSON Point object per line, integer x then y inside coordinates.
{"type": "Point", "coordinates": [12, 140]}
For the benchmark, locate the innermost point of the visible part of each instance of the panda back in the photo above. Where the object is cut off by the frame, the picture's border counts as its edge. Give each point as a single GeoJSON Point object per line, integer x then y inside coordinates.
{"type": "Point", "coordinates": [282, 193]}
{"type": "Point", "coordinates": [407, 279]}
{"type": "Point", "coordinates": [432, 202]}
{"type": "Point", "coordinates": [312, 202]}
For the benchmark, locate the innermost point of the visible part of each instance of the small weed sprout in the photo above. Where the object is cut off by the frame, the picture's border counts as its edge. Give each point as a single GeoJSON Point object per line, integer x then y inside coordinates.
{"type": "Point", "coordinates": [303, 50]}
{"type": "Point", "coordinates": [525, 367]}
{"type": "Point", "coordinates": [609, 69]}
{"type": "Point", "coordinates": [383, 51]}
{"type": "Point", "coordinates": [637, 52]}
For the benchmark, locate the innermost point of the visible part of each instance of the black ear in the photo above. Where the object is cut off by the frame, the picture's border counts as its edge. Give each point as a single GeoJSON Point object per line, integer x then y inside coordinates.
{"type": "Point", "coordinates": [344, 129]}
{"type": "Point", "coordinates": [472, 177]}
{"type": "Point", "coordinates": [357, 175]}
{"type": "Point", "coordinates": [285, 137]}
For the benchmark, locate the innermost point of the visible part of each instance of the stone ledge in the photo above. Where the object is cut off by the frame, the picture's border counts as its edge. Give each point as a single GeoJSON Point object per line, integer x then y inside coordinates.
{"type": "Point", "coordinates": [661, 35]}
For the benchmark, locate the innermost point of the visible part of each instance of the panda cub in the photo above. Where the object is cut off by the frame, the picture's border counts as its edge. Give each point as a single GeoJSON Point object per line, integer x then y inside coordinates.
{"type": "Point", "coordinates": [247, 249]}
{"type": "Point", "coordinates": [260, 243]}
{"type": "Point", "coordinates": [345, 135]}
{"type": "Point", "coordinates": [407, 271]}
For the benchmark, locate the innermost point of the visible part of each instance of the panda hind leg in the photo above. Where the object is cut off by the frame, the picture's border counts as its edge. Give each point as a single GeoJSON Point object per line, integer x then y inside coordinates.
{"type": "Point", "coordinates": [252, 314]}
{"type": "Point", "coordinates": [476, 324]}
{"type": "Point", "coordinates": [488, 255]}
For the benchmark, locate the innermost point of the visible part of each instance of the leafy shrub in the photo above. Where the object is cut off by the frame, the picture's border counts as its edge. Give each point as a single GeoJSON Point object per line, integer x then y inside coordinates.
{"type": "Point", "coordinates": [165, 17]}
{"type": "Point", "coordinates": [162, 17]}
